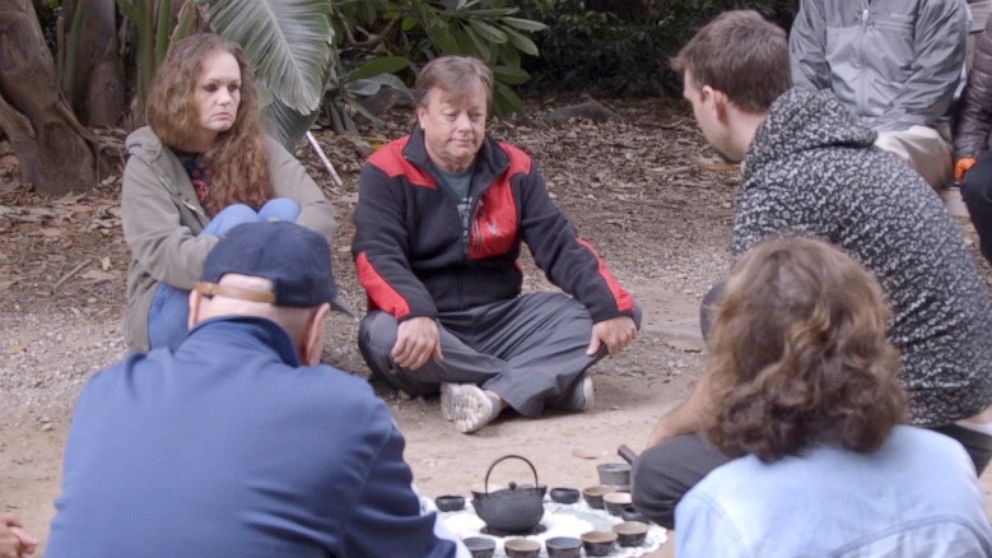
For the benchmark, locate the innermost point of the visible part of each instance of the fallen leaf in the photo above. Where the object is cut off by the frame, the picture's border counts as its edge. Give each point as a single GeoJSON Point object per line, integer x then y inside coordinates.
{"type": "Point", "coordinates": [105, 263]}
{"type": "Point", "coordinates": [42, 211]}
{"type": "Point", "coordinates": [685, 345]}
{"type": "Point", "coordinates": [98, 275]}
{"type": "Point", "coordinates": [81, 208]}
{"type": "Point", "coordinates": [715, 165]}
{"type": "Point", "coordinates": [583, 454]}
{"type": "Point", "coordinates": [69, 199]}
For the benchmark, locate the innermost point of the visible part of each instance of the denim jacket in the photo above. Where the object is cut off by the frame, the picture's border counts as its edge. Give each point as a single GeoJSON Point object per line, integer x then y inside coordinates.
{"type": "Point", "coordinates": [917, 496]}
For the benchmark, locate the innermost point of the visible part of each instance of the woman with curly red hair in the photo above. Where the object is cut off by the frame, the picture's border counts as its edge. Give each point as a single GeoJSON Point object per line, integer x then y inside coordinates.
{"type": "Point", "coordinates": [201, 166]}
{"type": "Point", "coordinates": [805, 396]}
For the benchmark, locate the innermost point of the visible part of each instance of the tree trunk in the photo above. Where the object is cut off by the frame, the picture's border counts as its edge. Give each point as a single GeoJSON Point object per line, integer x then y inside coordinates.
{"type": "Point", "coordinates": [96, 89]}
{"type": "Point", "coordinates": [54, 151]}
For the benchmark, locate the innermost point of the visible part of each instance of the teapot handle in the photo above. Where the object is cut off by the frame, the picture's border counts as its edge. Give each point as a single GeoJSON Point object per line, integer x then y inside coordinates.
{"type": "Point", "coordinates": [510, 456]}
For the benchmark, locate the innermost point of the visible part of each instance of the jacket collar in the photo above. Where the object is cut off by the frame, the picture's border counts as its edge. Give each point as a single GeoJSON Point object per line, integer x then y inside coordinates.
{"type": "Point", "coordinates": [256, 333]}
{"type": "Point", "coordinates": [145, 143]}
{"type": "Point", "coordinates": [490, 162]}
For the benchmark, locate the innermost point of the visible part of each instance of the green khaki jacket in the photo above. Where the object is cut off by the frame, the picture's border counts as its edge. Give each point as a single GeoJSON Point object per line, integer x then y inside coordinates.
{"type": "Point", "coordinates": [162, 218]}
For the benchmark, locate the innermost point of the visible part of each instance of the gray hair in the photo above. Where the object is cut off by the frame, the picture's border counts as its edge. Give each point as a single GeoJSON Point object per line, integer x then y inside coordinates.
{"type": "Point", "coordinates": [453, 74]}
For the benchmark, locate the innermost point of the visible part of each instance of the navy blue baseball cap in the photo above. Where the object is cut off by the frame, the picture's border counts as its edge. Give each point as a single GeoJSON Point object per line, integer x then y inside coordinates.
{"type": "Point", "coordinates": [296, 260]}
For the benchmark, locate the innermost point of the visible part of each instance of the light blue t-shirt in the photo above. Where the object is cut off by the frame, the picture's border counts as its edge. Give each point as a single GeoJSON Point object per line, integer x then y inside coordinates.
{"type": "Point", "coordinates": [917, 496]}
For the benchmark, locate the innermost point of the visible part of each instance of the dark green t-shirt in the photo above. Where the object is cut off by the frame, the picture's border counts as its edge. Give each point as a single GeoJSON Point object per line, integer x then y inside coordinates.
{"type": "Point", "coordinates": [459, 185]}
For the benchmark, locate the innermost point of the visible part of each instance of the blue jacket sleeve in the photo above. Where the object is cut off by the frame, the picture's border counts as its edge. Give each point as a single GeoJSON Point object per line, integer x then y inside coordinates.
{"type": "Point", "coordinates": [387, 519]}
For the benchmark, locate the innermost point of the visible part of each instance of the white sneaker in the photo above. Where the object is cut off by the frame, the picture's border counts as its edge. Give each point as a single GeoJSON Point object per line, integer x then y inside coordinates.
{"type": "Point", "coordinates": [581, 398]}
{"type": "Point", "coordinates": [469, 406]}
{"type": "Point", "coordinates": [447, 392]}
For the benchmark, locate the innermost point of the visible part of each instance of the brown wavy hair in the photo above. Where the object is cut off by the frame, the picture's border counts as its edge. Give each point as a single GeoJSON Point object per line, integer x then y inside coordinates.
{"type": "Point", "coordinates": [799, 355]}
{"type": "Point", "coordinates": [237, 159]}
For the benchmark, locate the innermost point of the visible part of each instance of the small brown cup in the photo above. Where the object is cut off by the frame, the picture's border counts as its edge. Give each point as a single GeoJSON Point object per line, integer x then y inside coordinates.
{"type": "Point", "coordinates": [522, 548]}
{"type": "Point", "coordinates": [615, 502]}
{"type": "Point", "coordinates": [598, 543]}
{"type": "Point", "coordinates": [564, 547]}
{"type": "Point", "coordinates": [480, 547]}
{"type": "Point", "coordinates": [594, 495]}
{"type": "Point", "coordinates": [631, 533]}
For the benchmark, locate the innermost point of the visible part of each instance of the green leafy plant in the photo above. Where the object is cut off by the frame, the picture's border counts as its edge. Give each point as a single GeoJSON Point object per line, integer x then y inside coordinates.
{"type": "Point", "coordinates": [289, 43]}
{"type": "Point", "coordinates": [349, 95]}
{"type": "Point", "coordinates": [419, 30]}
{"type": "Point", "coordinates": [622, 47]}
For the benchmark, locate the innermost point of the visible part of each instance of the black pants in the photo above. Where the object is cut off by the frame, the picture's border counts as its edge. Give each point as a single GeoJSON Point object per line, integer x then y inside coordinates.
{"type": "Point", "coordinates": [664, 473]}
{"type": "Point", "coordinates": [977, 193]}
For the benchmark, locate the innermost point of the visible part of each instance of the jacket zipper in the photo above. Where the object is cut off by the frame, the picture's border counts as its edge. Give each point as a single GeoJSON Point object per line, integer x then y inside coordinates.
{"type": "Point", "coordinates": [861, 61]}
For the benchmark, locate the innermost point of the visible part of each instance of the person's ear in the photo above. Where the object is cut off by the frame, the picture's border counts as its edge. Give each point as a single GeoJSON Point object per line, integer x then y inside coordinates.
{"type": "Point", "coordinates": [313, 338]}
{"type": "Point", "coordinates": [721, 103]}
{"type": "Point", "coordinates": [195, 302]}
{"type": "Point", "coordinates": [421, 115]}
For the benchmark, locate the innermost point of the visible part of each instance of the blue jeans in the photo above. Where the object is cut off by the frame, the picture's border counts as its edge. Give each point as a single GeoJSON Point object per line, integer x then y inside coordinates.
{"type": "Point", "coordinates": [169, 313]}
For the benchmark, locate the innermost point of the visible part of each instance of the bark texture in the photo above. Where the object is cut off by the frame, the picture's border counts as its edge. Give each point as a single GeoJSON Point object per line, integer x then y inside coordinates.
{"type": "Point", "coordinates": [52, 148]}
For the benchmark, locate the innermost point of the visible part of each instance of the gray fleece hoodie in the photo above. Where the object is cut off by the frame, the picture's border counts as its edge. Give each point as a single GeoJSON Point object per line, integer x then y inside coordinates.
{"type": "Point", "coordinates": [812, 171]}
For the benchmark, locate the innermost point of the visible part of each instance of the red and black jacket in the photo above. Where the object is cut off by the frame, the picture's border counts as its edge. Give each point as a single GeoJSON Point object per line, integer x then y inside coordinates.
{"type": "Point", "coordinates": [412, 255]}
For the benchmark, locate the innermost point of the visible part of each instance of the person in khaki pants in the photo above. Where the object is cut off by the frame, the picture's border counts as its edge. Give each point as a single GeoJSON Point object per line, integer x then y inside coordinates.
{"type": "Point", "coordinates": [895, 64]}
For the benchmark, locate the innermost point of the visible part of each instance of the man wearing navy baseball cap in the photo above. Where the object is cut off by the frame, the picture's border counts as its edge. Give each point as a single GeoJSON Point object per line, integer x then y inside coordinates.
{"type": "Point", "coordinates": [240, 443]}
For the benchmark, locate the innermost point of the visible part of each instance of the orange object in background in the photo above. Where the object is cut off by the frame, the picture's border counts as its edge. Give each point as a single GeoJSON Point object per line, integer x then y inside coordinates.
{"type": "Point", "coordinates": [962, 167]}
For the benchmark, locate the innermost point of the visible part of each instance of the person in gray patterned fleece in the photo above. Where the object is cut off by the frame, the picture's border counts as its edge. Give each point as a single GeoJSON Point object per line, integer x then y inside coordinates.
{"type": "Point", "coordinates": [810, 169]}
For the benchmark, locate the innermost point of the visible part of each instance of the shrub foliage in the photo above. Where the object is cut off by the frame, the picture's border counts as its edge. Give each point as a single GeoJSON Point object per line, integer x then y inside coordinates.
{"type": "Point", "coordinates": [622, 47]}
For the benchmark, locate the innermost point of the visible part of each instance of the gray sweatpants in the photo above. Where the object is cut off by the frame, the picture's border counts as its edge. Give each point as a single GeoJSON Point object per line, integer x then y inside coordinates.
{"type": "Point", "coordinates": [530, 350]}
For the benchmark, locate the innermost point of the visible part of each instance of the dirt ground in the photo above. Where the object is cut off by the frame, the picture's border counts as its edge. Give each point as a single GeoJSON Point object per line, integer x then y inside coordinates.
{"type": "Point", "coordinates": [642, 188]}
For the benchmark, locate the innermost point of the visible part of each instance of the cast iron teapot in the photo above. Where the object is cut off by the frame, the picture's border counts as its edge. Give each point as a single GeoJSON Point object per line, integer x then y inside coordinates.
{"type": "Point", "coordinates": [515, 509]}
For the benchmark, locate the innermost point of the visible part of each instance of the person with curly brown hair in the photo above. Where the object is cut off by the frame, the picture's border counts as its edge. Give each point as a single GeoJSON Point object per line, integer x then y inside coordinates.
{"type": "Point", "coordinates": [805, 397]}
{"type": "Point", "coordinates": [202, 165]}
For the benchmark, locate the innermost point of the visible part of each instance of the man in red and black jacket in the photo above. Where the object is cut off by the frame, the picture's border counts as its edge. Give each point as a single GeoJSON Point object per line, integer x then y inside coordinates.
{"type": "Point", "coordinates": [440, 217]}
